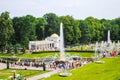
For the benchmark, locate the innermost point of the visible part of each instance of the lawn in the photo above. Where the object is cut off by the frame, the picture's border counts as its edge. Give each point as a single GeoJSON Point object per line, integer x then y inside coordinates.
{"type": "Point", "coordinates": [110, 70]}
{"type": "Point", "coordinates": [4, 74]}
{"type": "Point", "coordinates": [42, 55]}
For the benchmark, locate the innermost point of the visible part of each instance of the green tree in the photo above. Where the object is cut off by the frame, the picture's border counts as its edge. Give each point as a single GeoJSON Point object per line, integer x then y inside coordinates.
{"type": "Point", "coordinates": [106, 25]}
{"type": "Point", "coordinates": [40, 28]}
{"type": "Point", "coordinates": [72, 32]}
{"type": "Point", "coordinates": [96, 29]}
{"type": "Point", "coordinates": [52, 24]}
{"type": "Point", "coordinates": [85, 32]}
{"type": "Point", "coordinates": [115, 29]}
{"type": "Point", "coordinates": [77, 32]}
{"type": "Point", "coordinates": [6, 30]}
{"type": "Point", "coordinates": [25, 29]}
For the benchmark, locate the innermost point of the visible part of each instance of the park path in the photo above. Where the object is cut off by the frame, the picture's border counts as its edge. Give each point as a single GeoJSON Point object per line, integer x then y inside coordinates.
{"type": "Point", "coordinates": [30, 67]}
{"type": "Point", "coordinates": [45, 75]}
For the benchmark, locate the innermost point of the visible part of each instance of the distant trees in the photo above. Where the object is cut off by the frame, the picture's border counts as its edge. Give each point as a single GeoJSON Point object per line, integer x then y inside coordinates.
{"type": "Point", "coordinates": [19, 31]}
{"type": "Point", "coordinates": [52, 24]}
{"type": "Point", "coordinates": [68, 28]}
{"type": "Point", "coordinates": [72, 32]}
{"type": "Point", "coordinates": [115, 27]}
{"type": "Point", "coordinates": [6, 30]}
{"type": "Point", "coordinates": [85, 32]}
{"type": "Point", "coordinates": [25, 29]}
{"type": "Point", "coordinates": [40, 28]}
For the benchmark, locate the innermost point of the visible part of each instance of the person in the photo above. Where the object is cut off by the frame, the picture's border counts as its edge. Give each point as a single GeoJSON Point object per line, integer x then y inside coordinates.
{"type": "Point", "coordinates": [113, 54]}
{"type": "Point", "coordinates": [14, 75]}
{"type": "Point", "coordinates": [19, 77]}
{"type": "Point", "coordinates": [25, 78]}
{"type": "Point", "coordinates": [104, 54]}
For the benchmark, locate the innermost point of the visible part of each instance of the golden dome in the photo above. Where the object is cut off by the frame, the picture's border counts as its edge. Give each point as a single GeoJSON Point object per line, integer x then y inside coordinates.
{"type": "Point", "coordinates": [54, 35]}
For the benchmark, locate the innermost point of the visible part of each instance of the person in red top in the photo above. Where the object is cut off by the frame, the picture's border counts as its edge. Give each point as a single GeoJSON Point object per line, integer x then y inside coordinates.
{"type": "Point", "coordinates": [113, 53]}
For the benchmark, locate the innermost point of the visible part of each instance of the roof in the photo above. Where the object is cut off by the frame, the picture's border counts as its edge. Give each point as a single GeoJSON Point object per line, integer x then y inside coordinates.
{"type": "Point", "coordinates": [54, 35]}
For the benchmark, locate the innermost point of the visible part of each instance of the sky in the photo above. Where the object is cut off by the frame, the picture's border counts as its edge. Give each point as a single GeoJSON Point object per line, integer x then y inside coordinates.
{"type": "Point", "coordinates": [79, 9]}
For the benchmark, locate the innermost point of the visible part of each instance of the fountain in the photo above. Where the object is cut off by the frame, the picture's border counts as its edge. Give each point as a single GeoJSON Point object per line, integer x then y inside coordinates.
{"type": "Point", "coordinates": [97, 58]}
{"type": "Point", "coordinates": [107, 46]}
{"type": "Point", "coordinates": [108, 38]}
{"type": "Point", "coordinates": [110, 46]}
{"type": "Point", "coordinates": [96, 50]}
{"type": "Point", "coordinates": [104, 47]}
{"type": "Point", "coordinates": [62, 54]}
{"type": "Point", "coordinates": [107, 49]}
{"type": "Point", "coordinates": [118, 47]}
{"type": "Point", "coordinates": [65, 73]}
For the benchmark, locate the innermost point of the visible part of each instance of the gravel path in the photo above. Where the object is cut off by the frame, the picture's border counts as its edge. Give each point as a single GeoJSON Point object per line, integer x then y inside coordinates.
{"type": "Point", "coordinates": [45, 75]}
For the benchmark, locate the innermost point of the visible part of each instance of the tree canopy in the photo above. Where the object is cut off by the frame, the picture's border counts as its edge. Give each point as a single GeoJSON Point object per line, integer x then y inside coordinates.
{"type": "Point", "coordinates": [21, 30]}
{"type": "Point", "coordinates": [6, 30]}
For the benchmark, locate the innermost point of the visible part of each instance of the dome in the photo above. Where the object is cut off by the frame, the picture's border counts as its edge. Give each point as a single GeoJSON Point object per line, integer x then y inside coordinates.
{"type": "Point", "coordinates": [54, 35]}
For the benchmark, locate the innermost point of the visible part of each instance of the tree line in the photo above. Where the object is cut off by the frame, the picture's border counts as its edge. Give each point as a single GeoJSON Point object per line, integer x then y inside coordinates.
{"type": "Point", "coordinates": [18, 31]}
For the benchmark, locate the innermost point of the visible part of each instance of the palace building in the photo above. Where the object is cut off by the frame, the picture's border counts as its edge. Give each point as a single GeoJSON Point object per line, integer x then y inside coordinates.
{"type": "Point", "coordinates": [49, 44]}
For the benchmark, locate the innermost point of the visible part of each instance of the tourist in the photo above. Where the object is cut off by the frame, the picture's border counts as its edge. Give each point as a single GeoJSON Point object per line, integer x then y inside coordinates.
{"type": "Point", "coordinates": [104, 54]}
{"type": "Point", "coordinates": [80, 62]}
{"type": "Point", "coordinates": [113, 54]}
{"type": "Point", "coordinates": [14, 75]}
{"type": "Point", "coordinates": [88, 60]}
{"type": "Point", "coordinates": [19, 77]}
{"type": "Point", "coordinates": [72, 64]}
{"type": "Point", "coordinates": [25, 78]}
{"type": "Point", "coordinates": [22, 64]}
{"type": "Point", "coordinates": [55, 66]}
{"type": "Point", "coordinates": [60, 65]}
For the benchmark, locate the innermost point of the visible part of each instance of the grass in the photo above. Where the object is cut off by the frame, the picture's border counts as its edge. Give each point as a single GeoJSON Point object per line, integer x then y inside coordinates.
{"type": "Point", "coordinates": [5, 73]}
{"type": "Point", "coordinates": [29, 73]}
{"type": "Point", "coordinates": [42, 55]}
{"type": "Point", "coordinates": [110, 70]}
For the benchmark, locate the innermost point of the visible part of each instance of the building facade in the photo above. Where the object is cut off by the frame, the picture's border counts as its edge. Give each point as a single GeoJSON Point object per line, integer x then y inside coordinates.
{"type": "Point", "coordinates": [51, 43]}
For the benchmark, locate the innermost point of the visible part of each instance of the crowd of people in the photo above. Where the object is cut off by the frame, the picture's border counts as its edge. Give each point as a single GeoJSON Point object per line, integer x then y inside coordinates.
{"type": "Point", "coordinates": [70, 64]}
{"type": "Point", "coordinates": [109, 54]}
{"type": "Point", "coordinates": [75, 62]}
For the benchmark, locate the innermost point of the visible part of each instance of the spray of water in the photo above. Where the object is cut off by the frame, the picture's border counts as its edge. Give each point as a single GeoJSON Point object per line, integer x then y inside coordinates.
{"type": "Point", "coordinates": [62, 51]}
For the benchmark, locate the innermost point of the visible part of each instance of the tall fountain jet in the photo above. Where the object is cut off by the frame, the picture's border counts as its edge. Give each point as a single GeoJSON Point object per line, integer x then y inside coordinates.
{"type": "Point", "coordinates": [65, 73]}
{"type": "Point", "coordinates": [109, 41]}
{"type": "Point", "coordinates": [96, 49]}
{"type": "Point", "coordinates": [62, 51]}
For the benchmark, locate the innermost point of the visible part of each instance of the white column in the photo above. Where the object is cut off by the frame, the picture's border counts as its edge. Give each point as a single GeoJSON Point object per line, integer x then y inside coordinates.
{"type": "Point", "coordinates": [39, 47]}
{"type": "Point", "coordinates": [44, 46]}
{"type": "Point", "coordinates": [35, 46]}
{"type": "Point", "coordinates": [29, 46]}
{"type": "Point", "coordinates": [49, 46]}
